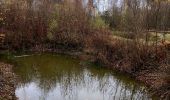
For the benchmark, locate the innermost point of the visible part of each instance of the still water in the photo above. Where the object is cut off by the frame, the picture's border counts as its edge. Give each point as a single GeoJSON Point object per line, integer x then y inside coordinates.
{"type": "Point", "coordinates": [61, 77]}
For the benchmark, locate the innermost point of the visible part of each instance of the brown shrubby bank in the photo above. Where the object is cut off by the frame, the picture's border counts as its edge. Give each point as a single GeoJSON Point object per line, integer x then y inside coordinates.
{"type": "Point", "coordinates": [130, 36]}
{"type": "Point", "coordinates": [7, 82]}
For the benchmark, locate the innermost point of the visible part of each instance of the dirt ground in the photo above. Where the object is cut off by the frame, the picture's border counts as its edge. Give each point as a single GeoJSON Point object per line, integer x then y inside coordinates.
{"type": "Point", "coordinates": [7, 82]}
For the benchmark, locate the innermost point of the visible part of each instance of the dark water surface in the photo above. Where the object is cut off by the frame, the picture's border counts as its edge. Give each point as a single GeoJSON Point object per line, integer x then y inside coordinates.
{"type": "Point", "coordinates": [60, 77]}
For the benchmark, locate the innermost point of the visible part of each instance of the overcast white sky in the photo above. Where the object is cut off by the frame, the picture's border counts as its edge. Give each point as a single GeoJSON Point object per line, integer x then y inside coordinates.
{"type": "Point", "coordinates": [103, 5]}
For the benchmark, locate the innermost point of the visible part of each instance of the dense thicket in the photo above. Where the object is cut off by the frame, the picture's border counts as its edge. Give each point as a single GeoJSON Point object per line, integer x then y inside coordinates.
{"type": "Point", "coordinates": [31, 22]}
{"type": "Point", "coordinates": [28, 23]}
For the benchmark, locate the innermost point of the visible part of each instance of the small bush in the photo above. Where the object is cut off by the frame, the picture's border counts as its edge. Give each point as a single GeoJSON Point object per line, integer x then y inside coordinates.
{"type": "Point", "coordinates": [98, 23]}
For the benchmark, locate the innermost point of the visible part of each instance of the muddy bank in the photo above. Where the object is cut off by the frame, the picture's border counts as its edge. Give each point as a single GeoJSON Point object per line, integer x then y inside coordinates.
{"type": "Point", "coordinates": [7, 82]}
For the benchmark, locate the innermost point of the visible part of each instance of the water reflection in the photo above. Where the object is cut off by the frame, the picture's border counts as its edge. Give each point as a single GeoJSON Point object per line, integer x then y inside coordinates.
{"type": "Point", "coordinates": [48, 77]}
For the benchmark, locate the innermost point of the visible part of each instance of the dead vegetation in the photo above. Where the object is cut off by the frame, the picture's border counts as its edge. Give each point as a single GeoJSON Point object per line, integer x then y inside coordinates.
{"type": "Point", "coordinates": [64, 25]}
{"type": "Point", "coordinates": [7, 82]}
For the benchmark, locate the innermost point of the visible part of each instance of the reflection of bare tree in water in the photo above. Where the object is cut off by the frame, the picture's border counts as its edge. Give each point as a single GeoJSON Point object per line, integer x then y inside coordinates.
{"type": "Point", "coordinates": [70, 87]}
{"type": "Point", "coordinates": [66, 75]}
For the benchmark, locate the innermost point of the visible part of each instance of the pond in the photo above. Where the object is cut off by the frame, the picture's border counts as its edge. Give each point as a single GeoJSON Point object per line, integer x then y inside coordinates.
{"type": "Point", "coordinates": [61, 77]}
